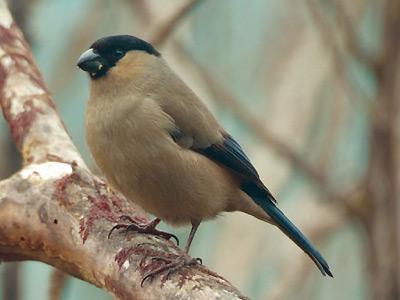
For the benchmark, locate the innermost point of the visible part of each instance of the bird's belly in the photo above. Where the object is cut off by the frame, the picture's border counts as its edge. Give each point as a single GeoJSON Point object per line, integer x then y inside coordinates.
{"type": "Point", "coordinates": [177, 186]}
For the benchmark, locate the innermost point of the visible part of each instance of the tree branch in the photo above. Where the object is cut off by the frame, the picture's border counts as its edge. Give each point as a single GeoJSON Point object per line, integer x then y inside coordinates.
{"type": "Point", "coordinates": [350, 36]}
{"type": "Point", "coordinates": [164, 31]}
{"type": "Point", "coordinates": [328, 38]}
{"type": "Point", "coordinates": [55, 211]}
{"type": "Point", "coordinates": [57, 282]}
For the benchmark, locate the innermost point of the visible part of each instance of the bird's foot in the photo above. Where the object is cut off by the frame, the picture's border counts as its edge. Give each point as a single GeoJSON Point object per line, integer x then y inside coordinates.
{"type": "Point", "coordinates": [147, 228]}
{"type": "Point", "coordinates": [170, 266]}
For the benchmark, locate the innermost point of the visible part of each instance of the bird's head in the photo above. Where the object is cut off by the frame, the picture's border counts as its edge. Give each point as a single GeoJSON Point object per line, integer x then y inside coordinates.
{"type": "Point", "coordinates": [109, 52]}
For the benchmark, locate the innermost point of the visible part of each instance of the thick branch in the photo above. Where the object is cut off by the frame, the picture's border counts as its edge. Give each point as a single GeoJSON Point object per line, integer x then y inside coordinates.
{"type": "Point", "coordinates": [62, 217]}
{"type": "Point", "coordinates": [54, 210]}
{"type": "Point", "coordinates": [34, 124]}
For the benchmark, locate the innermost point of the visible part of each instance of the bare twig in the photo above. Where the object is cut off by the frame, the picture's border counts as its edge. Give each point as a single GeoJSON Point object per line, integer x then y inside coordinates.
{"type": "Point", "coordinates": [57, 282]}
{"type": "Point", "coordinates": [163, 31]}
{"type": "Point", "coordinates": [349, 32]}
{"type": "Point", "coordinates": [327, 35]}
{"type": "Point", "coordinates": [329, 137]}
{"type": "Point", "coordinates": [55, 211]}
{"type": "Point", "coordinates": [11, 281]}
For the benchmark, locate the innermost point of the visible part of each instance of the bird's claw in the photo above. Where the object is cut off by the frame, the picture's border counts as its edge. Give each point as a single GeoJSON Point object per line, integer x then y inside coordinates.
{"type": "Point", "coordinates": [148, 228]}
{"type": "Point", "coordinates": [171, 266]}
{"type": "Point", "coordinates": [116, 227]}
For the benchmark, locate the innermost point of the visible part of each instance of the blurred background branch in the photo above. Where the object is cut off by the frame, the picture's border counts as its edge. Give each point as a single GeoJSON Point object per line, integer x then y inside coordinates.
{"type": "Point", "coordinates": [57, 283]}
{"type": "Point", "coordinates": [165, 29]}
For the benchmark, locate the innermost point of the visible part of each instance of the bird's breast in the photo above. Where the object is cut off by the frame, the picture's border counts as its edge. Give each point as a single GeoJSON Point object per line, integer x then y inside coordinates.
{"type": "Point", "coordinates": [127, 133]}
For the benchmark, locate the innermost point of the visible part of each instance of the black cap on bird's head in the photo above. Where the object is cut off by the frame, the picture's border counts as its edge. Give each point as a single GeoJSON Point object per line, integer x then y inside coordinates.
{"type": "Point", "coordinates": [104, 53]}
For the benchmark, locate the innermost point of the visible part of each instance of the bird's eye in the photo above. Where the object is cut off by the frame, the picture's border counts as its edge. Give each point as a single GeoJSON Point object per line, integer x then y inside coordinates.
{"type": "Point", "coordinates": [118, 53]}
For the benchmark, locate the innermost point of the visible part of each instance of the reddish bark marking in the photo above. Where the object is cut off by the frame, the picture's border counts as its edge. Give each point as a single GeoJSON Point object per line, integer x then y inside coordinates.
{"type": "Point", "coordinates": [117, 202]}
{"type": "Point", "coordinates": [103, 204]}
{"type": "Point", "coordinates": [99, 207]}
{"type": "Point", "coordinates": [184, 276]}
{"type": "Point", "coordinates": [21, 123]}
{"type": "Point", "coordinates": [125, 253]}
{"type": "Point", "coordinates": [61, 186]}
{"type": "Point", "coordinates": [147, 264]}
{"type": "Point", "coordinates": [22, 63]}
{"type": "Point", "coordinates": [11, 40]}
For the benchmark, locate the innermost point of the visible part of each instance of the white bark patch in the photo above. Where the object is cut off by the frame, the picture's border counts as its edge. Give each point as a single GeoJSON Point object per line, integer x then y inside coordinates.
{"type": "Point", "coordinates": [6, 60]}
{"type": "Point", "coordinates": [47, 170]}
{"type": "Point", "coordinates": [126, 264]}
{"type": "Point", "coordinates": [59, 143]}
{"type": "Point", "coordinates": [23, 86]}
{"type": "Point", "coordinates": [20, 86]}
{"type": "Point", "coordinates": [5, 16]}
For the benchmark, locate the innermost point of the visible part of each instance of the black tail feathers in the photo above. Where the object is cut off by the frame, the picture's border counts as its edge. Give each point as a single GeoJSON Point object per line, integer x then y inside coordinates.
{"type": "Point", "coordinates": [296, 236]}
{"type": "Point", "coordinates": [287, 227]}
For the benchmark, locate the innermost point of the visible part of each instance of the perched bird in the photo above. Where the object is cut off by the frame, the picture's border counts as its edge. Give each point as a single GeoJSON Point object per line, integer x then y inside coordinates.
{"type": "Point", "coordinates": [157, 143]}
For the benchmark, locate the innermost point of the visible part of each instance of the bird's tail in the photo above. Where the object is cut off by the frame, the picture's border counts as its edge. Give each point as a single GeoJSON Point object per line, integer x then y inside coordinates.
{"type": "Point", "coordinates": [296, 236]}
{"type": "Point", "coordinates": [287, 227]}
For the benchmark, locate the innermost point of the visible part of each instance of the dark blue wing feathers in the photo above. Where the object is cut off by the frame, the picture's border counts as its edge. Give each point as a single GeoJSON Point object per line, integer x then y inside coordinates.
{"type": "Point", "coordinates": [234, 149]}
{"type": "Point", "coordinates": [231, 155]}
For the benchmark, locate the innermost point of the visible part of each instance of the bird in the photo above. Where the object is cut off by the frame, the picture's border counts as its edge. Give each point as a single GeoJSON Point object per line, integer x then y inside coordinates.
{"type": "Point", "coordinates": [158, 144]}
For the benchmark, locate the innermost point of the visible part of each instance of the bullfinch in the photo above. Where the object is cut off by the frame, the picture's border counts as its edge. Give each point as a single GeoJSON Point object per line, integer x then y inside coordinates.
{"type": "Point", "coordinates": [157, 143]}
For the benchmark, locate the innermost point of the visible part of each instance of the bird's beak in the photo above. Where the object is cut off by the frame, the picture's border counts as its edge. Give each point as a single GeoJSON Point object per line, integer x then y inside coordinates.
{"type": "Point", "coordinates": [90, 62]}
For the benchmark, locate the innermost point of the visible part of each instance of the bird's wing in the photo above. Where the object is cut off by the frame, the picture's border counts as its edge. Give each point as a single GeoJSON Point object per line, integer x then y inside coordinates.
{"type": "Point", "coordinates": [228, 153]}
